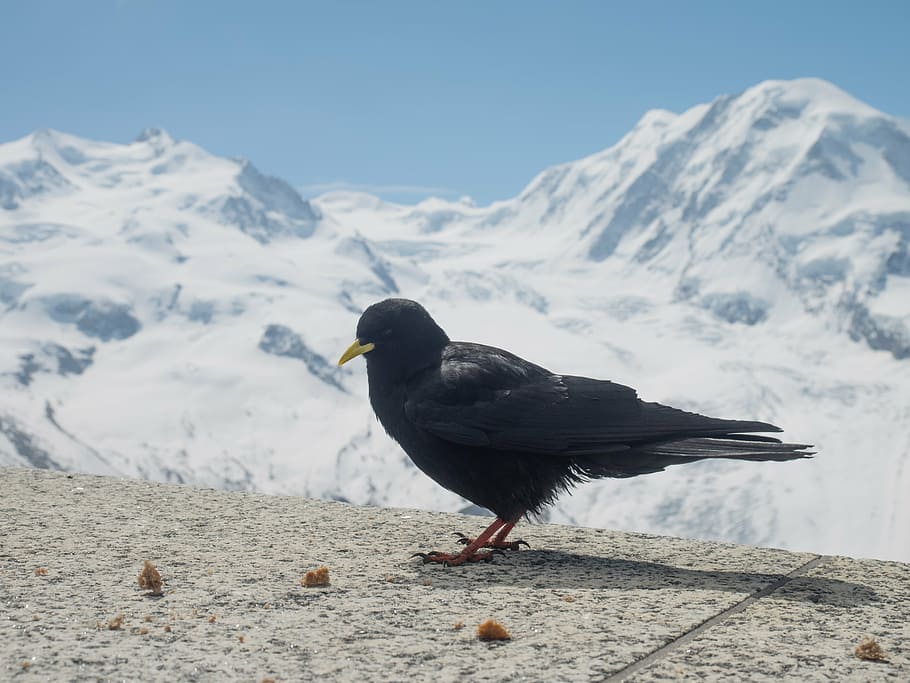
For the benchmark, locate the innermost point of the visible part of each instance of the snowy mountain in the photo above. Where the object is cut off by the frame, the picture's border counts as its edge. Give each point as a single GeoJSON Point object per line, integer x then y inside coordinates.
{"type": "Point", "coordinates": [174, 315]}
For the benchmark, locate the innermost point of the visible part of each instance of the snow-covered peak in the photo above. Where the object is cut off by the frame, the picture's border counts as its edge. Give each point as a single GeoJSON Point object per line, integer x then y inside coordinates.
{"type": "Point", "coordinates": [66, 150]}
{"type": "Point", "coordinates": [156, 136]}
{"type": "Point", "coordinates": [789, 197]}
{"type": "Point", "coordinates": [168, 313]}
{"type": "Point", "coordinates": [153, 170]}
{"type": "Point", "coordinates": [48, 140]}
{"type": "Point", "coordinates": [102, 163]}
{"type": "Point", "coordinates": [811, 96]}
{"type": "Point", "coordinates": [656, 118]}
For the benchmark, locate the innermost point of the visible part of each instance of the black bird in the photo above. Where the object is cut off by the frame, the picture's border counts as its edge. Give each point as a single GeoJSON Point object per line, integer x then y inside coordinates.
{"type": "Point", "coordinates": [511, 436]}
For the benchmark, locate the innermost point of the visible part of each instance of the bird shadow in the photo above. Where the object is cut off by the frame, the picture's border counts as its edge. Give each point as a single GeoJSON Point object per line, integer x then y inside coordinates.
{"type": "Point", "coordinates": [559, 570]}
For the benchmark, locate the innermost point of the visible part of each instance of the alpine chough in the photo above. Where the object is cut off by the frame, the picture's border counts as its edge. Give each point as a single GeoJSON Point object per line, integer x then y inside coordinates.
{"type": "Point", "coordinates": [511, 436]}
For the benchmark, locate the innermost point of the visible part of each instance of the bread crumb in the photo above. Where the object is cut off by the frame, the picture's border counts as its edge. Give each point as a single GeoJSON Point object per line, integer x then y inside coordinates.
{"type": "Point", "coordinates": [167, 628]}
{"type": "Point", "coordinates": [25, 664]}
{"type": "Point", "coordinates": [266, 605]}
{"type": "Point", "coordinates": [147, 617]}
{"type": "Point", "coordinates": [143, 631]}
{"type": "Point", "coordinates": [40, 571]}
{"type": "Point", "coordinates": [870, 650]}
{"type": "Point", "coordinates": [492, 630]}
{"type": "Point", "coordinates": [267, 680]}
{"type": "Point", "coordinates": [212, 619]}
{"type": "Point", "coordinates": [241, 638]}
{"type": "Point", "coordinates": [150, 579]}
{"type": "Point", "coordinates": [35, 617]}
{"type": "Point", "coordinates": [457, 625]}
{"type": "Point", "coordinates": [568, 598]}
{"type": "Point", "coordinates": [115, 623]}
{"type": "Point", "coordinates": [428, 582]}
{"type": "Point", "coordinates": [316, 577]}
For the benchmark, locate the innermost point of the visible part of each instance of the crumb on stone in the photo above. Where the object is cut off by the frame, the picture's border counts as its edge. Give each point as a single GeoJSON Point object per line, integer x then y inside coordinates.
{"type": "Point", "coordinates": [457, 625]}
{"type": "Point", "coordinates": [143, 631]}
{"type": "Point", "coordinates": [241, 638]}
{"type": "Point", "coordinates": [869, 649]}
{"type": "Point", "coordinates": [40, 571]}
{"type": "Point", "coordinates": [167, 628]}
{"type": "Point", "coordinates": [212, 618]}
{"type": "Point", "coordinates": [115, 623]}
{"type": "Point", "coordinates": [316, 577]}
{"type": "Point", "coordinates": [568, 598]}
{"type": "Point", "coordinates": [150, 579]}
{"type": "Point", "coordinates": [492, 630]}
{"type": "Point", "coordinates": [428, 582]}
{"type": "Point", "coordinates": [266, 605]}
{"type": "Point", "coordinates": [25, 664]}
{"type": "Point", "coordinates": [147, 617]}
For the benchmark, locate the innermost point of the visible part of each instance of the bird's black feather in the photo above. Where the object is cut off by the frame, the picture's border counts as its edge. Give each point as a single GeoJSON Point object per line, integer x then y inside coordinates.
{"type": "Point", "coordinates": [482, 396]}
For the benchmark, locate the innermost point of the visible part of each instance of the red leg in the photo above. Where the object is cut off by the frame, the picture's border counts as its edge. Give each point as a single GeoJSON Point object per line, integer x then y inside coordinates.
{"type": "Point", "coordinates": [503, 532]}
{"type": "Point", "coordinates": [499, 542]}
{"type": "Point", "coordinates": [469, 554]}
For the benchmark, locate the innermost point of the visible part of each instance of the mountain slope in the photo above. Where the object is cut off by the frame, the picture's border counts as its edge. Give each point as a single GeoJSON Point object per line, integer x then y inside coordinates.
{"type": "Point", "coordinates": [174, 315]}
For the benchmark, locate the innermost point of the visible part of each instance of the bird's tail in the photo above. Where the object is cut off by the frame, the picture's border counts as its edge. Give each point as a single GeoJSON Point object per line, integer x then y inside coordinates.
{"type": "Point", "coordinates": [733, 446]}
{"type": "Point", "coordinates": [658, 456]}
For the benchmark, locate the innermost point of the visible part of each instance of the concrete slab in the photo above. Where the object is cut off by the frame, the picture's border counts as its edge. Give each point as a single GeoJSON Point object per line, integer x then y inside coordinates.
{"type": "Point", "coordinates": [584, 604]}
{"type": "Point", "coordinates": [800, 634]}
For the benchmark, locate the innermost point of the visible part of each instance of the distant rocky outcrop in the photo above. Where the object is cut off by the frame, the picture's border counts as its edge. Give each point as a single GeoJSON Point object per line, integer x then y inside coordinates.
{"type": "Point", "coordinates": [280, 340]}
{"type": "Point", "coordinates": [103, 320]}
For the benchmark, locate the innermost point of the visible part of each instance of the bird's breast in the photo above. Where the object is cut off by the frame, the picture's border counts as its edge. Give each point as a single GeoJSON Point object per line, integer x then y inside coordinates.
{"type": "Point", "coordinates": [388, 404]}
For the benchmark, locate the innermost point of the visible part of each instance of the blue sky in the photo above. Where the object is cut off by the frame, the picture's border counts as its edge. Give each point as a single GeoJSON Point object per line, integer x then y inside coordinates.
{"type": "Point", "coordinates": [406, 99]}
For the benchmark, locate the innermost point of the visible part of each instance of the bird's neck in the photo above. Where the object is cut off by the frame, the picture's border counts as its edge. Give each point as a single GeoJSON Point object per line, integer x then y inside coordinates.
{"type": "Point", "coordinates": [384, 374]}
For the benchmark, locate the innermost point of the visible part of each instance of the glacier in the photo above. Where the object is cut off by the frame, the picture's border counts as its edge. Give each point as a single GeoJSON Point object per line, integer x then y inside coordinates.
{"type": "Point", "coordinates": [169, 314]}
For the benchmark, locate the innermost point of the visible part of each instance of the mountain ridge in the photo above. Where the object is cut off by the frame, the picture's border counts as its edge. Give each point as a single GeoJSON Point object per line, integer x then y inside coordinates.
{"type": "Point", "coordinates": [173, 315]}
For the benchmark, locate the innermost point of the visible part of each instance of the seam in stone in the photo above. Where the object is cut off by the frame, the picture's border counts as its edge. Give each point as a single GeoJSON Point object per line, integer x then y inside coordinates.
{"type": "Point", "coordinates": [711, 622]}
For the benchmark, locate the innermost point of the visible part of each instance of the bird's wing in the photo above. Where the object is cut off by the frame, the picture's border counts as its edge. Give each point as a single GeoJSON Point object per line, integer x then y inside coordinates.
{"type": "Point", "coordinates": [493, 401]}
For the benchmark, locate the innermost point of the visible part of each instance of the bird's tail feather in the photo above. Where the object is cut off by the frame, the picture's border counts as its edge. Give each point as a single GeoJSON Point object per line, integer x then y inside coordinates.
{"type": "Point", "coordinates": [656, 457]}
{"type": "Point", "coordinates": [735, 446]}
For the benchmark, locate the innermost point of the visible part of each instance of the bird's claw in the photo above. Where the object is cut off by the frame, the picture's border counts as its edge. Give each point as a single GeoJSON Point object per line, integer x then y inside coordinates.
{"type": "Point", "coordinates": [496, 545]}
{"type": "Point", "coordinates": [464, 540]}
{"type": "Point", "coordinates": [430, 556]}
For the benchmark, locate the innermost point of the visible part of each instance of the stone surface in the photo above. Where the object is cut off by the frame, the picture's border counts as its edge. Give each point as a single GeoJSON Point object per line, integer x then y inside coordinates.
{"type": "Point", "coordinates": [584, 604]}
{"type": "Point", "coordinates": [801, 633]}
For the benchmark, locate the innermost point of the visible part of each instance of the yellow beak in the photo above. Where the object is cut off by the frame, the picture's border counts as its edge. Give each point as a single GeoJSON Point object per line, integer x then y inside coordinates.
{"type": "Point", "coordinates": [355, 350]}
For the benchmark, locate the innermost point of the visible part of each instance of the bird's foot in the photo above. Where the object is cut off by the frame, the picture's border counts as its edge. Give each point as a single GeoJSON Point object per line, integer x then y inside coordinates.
{"type": "Point", "coordinates": [450, 560]}
{"type": "Point", "coordinates": [496, 544]}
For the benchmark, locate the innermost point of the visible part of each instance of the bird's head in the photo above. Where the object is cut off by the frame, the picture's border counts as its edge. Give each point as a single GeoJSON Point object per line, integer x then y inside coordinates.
{"type": "Point", "coordinates": [398, 337]}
